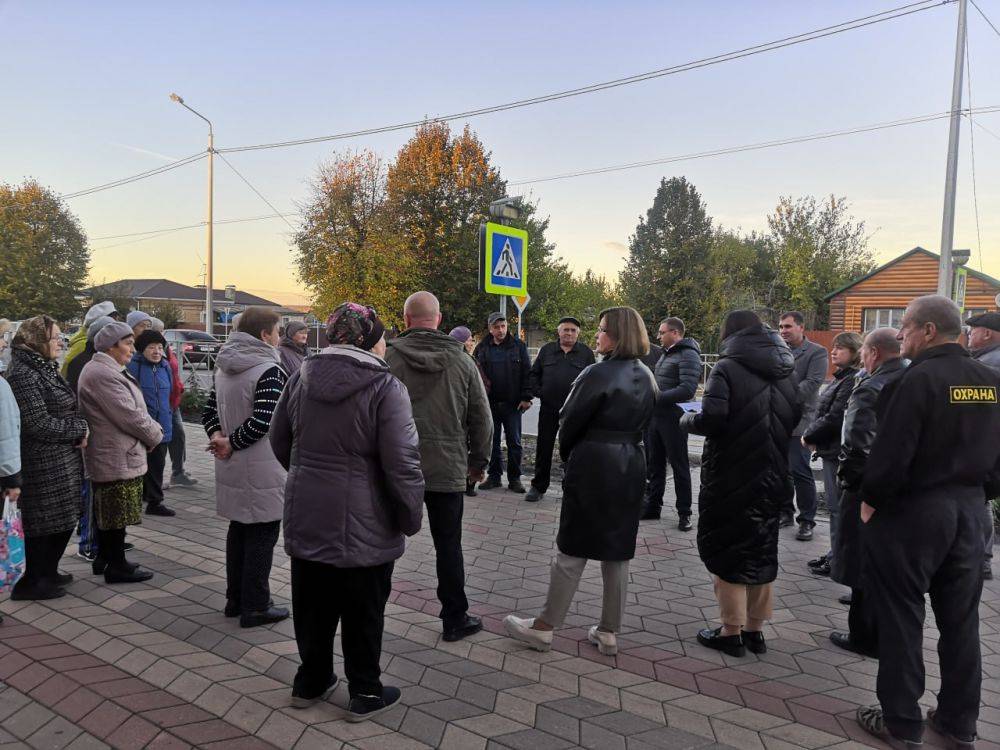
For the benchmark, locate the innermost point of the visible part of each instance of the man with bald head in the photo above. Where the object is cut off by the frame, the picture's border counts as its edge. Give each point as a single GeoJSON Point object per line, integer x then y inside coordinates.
{"type": "Point", "coordinates": [456, 432]}
{"type": "Point", "coordinates": [882, 367]}
{"type": "Point", "coordinates": [934, 460]}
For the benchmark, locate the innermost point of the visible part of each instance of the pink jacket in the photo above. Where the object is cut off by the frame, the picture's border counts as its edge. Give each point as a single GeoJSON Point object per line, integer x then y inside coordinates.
{"type": "Point", "coordinates": [121, 429]}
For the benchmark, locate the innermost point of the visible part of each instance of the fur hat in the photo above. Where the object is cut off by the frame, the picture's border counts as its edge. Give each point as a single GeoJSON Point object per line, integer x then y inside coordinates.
{"type": "Point", "coordinates": [147, 337]}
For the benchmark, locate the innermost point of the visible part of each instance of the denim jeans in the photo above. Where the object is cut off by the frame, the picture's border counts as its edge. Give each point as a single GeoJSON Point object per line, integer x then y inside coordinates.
{"type": "Point", "coordinates": [802, 478]}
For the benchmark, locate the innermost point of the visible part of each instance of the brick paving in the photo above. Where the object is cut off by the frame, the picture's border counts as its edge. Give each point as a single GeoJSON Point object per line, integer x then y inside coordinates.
{"type": "Point", "coordinates": [157, 665]}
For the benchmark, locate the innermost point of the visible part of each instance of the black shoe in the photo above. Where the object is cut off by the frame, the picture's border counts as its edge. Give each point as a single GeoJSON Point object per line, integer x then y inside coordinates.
{"type": "Point", "coordinates": [304, 701]}
{"type": "Point", "coordinates": [819, 562]}
{"type": "Point", "coordinates": [684, 523]}
{"type": "Point", "coordinates": [369, 706]}
{"type": "Point", "coordinates": [264, 617]}
{"type": "Point", "coordinates": [38, 591]}
{"type": "Point", "coordinates": [727, 644]}
{"type": "Point", "coordinates": [958, 741]}
{"type": "Point", "coordinates": [844, 641]}
{"type": "Point", "coordinates": [786, 520]}
{"type": "Point", "coordinates": [805, 533]}
{"type": "Point", "coordinates": [822, 570]}
{"type": "Point", "coordinates": [159, 510]}
{"type": "Point", "coordinates": [126, 574]}
{"type": "Point", "coordinates": [181, 479]}
{"type": "Point", "coordinates": [87, 555]}
{"type": "Point", "coordinates": [469, 625]}
{"type": "Point", "coordinates": [533, 495]}
{"type": "Point", "coordinates": [490, 483]}
{"type": "Point", "coordinates": [100, 565]}
{"type": "Point", "coordinates": [650, 512]}
{"type": "Point", "coordinates": [128, 547]}
{"type": "Point", "coordinates": [987, 573]}
{"type": "Point", "coordinates": [754, 641]}
{"type": "Point", "coordinates": [470, 489]}
{"type": "Point", "coordinates": [233, 609]}
{"type": "Point", "coordinates": [62, 579]}
{"type": "Point", "coordinates": [845, 600]}
{"type": "Point", "coordinates": [515, 486]}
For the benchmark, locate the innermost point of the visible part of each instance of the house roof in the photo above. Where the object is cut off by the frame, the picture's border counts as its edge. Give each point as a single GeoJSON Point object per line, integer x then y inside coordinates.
{"type": "Point", "coordinates": [972, 272]}
{"type": "Point", "coordinates": [172, 290]}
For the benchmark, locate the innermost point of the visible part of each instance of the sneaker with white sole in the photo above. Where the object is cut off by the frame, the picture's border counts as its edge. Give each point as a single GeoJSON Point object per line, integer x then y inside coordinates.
{"type": "Point", "coordinates": [519, 628]}
{"type": "Point", "coordinates": [606, 642]}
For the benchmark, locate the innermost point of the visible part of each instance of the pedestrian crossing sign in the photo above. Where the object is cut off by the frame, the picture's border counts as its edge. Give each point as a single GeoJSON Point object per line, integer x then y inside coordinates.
{"type": "Point", "coordinates": [505, 260]}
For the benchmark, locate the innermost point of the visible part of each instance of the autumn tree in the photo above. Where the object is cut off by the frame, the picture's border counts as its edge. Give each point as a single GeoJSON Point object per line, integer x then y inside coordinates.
{"type": "Point", "coordinates": [170, 313]}
{"type": "Point", "coordinates": [44, 256]}
{"type": "Point", "coordinates": [346, 248]}
{"type": "Point", "coordinates": [119, 293]}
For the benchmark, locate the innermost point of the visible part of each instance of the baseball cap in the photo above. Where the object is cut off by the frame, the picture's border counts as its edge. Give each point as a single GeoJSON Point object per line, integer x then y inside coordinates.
{"type": "Point", "coordinates": [494, 317]}
{"type": "Point", "coordinates": [570, 319]}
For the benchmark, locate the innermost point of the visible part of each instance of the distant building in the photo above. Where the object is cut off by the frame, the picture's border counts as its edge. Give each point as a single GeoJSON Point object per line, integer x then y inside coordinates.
{"type": "Point", "coordinates": [147, 294]}
{"type": "Point", "coordinates": [879, 298]}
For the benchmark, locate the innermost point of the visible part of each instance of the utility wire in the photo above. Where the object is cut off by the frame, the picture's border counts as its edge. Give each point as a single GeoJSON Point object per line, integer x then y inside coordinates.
{"type": "Point", "coordinates": [857, 23]}
{"type": "Point", "coordinates": [751, 147]}
{"type": "Point", "coordinates": [985, 17]}
{"type": "Point", "coordinates": [255, 190]}
{"type": "Point", "coordinates": [972, 153]}
{"type": "Point", "coordinates": [189, 226]}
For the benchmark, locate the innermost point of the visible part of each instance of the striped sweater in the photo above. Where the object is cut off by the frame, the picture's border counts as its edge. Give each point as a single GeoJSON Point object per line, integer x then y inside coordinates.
{"type": "Point", "coordinates": [265, 399]}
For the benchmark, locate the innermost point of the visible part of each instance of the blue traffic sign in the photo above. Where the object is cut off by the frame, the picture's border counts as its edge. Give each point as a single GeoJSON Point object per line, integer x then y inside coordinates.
{"type": "Point", "coordinates": [505, 260]}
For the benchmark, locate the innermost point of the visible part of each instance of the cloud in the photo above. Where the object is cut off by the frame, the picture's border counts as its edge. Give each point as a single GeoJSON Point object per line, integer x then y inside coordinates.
{"type": "Point", "coordinates": [616, 247]}
{"type": "Point", "coordinates": [146, 152]}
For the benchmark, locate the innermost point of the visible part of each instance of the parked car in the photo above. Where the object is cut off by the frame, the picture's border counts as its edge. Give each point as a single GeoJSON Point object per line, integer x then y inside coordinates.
{"type": "Point", "coordinates": [195, 346]}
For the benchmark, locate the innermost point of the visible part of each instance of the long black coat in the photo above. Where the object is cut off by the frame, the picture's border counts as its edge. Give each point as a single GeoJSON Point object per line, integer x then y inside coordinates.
{"type": "Point", "coordinates": [51, 431]}
{"type": "Point", "coordinates": [824, 432]}
{"type": "Point", "coordinates": [748, 413]}
{"type": "Point", "coordinates": [601, 426]}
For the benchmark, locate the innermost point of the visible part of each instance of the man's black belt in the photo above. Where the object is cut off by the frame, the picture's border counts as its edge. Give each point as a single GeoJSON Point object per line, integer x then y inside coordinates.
{"type": "Point", "coordinates": [614, 436]}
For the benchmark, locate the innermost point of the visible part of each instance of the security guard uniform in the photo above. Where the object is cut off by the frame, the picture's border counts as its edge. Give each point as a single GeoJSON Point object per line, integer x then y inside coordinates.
{"type": "Point", "coordinates": [936, 453]}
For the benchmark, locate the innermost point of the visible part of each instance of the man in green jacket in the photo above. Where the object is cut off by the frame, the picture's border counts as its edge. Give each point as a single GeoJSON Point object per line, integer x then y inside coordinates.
{"type": "Point", "coordinates": [456, 433]}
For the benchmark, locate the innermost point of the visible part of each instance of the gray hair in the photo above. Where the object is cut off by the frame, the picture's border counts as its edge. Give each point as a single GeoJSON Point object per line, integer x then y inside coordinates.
{"type": "Point", "coordinates": [939, 310]}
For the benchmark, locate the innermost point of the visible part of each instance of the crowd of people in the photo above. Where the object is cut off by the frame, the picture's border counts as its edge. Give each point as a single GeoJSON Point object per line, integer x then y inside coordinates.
{"type": "Point", "coordinates": [343, 450]}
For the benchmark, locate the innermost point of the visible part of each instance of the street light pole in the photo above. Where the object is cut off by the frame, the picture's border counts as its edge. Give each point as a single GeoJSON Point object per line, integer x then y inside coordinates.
{"type": "Point", "coordinates": [209, 322]}
{"type": "Point", "coordinates": [945, 271]}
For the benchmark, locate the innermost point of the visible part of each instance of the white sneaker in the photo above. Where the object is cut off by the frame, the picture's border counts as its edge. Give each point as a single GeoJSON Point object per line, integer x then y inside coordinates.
{"type": "Point", "coordinates": [519, 628]}
{"type": "Point", "coordinates": [606, 643]}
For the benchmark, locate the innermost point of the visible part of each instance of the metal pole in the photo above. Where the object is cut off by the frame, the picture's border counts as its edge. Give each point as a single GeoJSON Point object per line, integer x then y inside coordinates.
{"type": "Point", "coordinates": [209, 320]}
{"type": "Point", "coordinates": [951, 171]}
{"type": "Point", "coordinates": [503, 304]}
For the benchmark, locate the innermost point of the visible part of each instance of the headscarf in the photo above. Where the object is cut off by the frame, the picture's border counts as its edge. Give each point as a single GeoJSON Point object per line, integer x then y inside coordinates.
{"type": "Point", "coordinates": [354, 324]}
{"type": "Point", "coordinates": [34, 334]}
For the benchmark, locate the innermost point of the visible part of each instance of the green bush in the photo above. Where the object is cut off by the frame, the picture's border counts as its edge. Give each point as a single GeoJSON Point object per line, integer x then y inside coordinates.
{"type": "Point", "coordinates": [193, 402]}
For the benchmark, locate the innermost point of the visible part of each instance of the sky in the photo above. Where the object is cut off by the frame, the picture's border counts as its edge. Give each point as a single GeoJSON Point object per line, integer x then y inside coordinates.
{"type": "Point", "coordinates": [86, 100]}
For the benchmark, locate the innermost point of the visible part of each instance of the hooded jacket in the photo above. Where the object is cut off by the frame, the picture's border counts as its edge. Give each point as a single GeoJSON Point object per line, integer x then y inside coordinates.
{"type": "Point", "coordinates": [344, 430]}
{"type": "Point", "coordinates": [677, 372]}
{"type": "Point", "coordinates": [292, 354]}
{"type": "Point", "coordinates": [748, 413]}
{"type": "Point", "coordinates": [450, 407]}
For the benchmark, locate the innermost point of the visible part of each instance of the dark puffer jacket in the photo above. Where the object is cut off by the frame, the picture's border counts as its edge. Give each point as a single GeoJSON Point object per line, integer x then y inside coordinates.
{"type": "Point", "coordinates": [602, 421]}
{"type": "Point", "coordinates": [677, 374]}
{"type": "Point", "coordinates": [344, 430]}
{"type": "Point", "coordinates": [824, 432]}
{"type": "Point", "coordinates": [748, 414]}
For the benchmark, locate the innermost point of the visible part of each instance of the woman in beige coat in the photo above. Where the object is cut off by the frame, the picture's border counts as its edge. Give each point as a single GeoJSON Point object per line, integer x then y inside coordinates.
{"type": "Point", "coordinates": [121, 434]}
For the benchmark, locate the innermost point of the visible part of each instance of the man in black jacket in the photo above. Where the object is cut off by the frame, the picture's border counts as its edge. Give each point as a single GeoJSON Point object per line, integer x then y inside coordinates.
{"type": "Point", "coordinates": [882, 366]}
{"type": "Point", "coordinates": [677, 373]}
{"type": "Point", "coordinates": [934, 455]}
{"type": "Point", "coordinates": [552, 374]}
{"type": "Point", "coordinates": [504, 360]}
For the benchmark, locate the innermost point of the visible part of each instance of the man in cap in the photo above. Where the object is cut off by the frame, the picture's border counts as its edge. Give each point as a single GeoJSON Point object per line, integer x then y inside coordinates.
{"type": "Point", "coordinates": [932, 464]}
{"type": "Point", "coordinates": [552, 374]}
{"type": "Point", "coordinates": [984, 346]}
{"type": "Point", "coordinates": [505, 363]}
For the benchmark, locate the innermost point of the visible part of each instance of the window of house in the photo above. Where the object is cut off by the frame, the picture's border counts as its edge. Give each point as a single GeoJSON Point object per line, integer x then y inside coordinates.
{"type": "Point", "coordinates": [880, 317]}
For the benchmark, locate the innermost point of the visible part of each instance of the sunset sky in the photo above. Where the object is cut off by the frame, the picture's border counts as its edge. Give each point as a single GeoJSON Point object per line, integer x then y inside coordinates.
{"type": "Point", "coordinates": [86, 90]}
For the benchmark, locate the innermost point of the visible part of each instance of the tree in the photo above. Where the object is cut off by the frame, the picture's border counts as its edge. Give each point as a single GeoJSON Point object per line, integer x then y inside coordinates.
{"type": "Point", "coordinates": [169, 313]}
{"type": "Point", "coordinates": [345, 248]}
{"type": "Point", "coordinates": [582, 296]}
{"type": "Point", "coordinates": [116, 292]}
{"type": "Point", "coordinates": [667, 268]}
{"type": "Point", "coordinates": [44, 254]}
{"type": "Point", "coordinates": [819, 247]}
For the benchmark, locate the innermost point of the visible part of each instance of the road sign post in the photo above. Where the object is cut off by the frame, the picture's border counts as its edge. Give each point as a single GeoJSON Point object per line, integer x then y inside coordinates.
{"type": "Point", "coordinates": [521, 303]}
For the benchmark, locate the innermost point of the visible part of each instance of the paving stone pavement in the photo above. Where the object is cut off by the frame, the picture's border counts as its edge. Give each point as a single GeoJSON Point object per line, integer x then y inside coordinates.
{"type": "Point", "coordinates": [157, 665]}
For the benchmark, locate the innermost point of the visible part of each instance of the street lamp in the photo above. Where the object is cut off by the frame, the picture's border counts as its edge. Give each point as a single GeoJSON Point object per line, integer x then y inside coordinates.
{"type": "Point", "coordinates": [209, 322]}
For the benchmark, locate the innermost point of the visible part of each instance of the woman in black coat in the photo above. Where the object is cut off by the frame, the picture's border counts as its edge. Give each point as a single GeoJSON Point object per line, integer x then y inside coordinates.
{"type": "Point", "coordinates": [602, 422]}
{"type": "Point", "coordinates": [52, 433]}
{"type": "Point", "coordinates": [748, 413]}
{"type": "Point", "coordinates": [823, 435]}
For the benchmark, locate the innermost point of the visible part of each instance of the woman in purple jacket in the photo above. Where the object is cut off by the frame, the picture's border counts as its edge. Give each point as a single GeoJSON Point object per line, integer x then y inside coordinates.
{"type": "Point", "coordinates": [344, 429]}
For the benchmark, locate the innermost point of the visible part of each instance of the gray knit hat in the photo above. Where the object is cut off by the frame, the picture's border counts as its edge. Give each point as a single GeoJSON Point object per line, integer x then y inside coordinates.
{"type": "Point", "coordinates": [136, 317]}
{"type": "Point", "coordinates": [97, 325]}
{"type": "Point", "coordinates": [111, 334]}
{"type": "Point", "coordinates": [100, 310]}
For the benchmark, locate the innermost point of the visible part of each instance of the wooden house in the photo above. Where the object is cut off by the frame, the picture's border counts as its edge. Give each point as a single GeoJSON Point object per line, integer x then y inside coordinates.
{"type": "Point", "coordinates": [879, 298]}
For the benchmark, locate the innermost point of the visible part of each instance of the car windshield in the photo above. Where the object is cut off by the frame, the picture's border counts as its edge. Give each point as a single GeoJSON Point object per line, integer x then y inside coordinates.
{"type": "Point", "coordinates": [198, 336]}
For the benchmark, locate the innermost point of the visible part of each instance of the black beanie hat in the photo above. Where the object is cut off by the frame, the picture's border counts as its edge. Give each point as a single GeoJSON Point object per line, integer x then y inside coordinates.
{"type": "Point", "coordinates": [147, 337]}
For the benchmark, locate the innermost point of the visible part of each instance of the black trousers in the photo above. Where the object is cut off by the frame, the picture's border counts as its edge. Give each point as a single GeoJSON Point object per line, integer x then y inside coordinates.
{"type": "Point", "coordinates": [249, 554]}
{"type": "Point", "coordinates": [177, 445]}
{"type": "Point", "coordinates": [508, 418]}
{"type": "Point", "coordinates": [41, 557]}
{"type": "Point", "coordinates": [548, 428]}
{"type": "Point", "coordinates": [444, 516]}
{"type": "Point", "coordinates": [111, 546]}
{"type": "Point", "coordinates": [930, 543]}
{"type": "Point", "coordinates": [324, 596]}
{"type": "Point", "coordinates": [152, 482]}
{"type": "Point", "coordinates": [668, 442]}
{"type": "Point", "coordinates": [861, 621]}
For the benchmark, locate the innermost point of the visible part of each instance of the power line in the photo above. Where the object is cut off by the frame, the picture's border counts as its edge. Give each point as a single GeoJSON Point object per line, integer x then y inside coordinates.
{"type": "Point", "coordinates": [255, 190]}
{"type": "Point", "coordinates": [169, 230]}
{"type": "Point", "coordinates": [857, 23]}
{"type": "Point", "coordinates": [985, 129]}
{"type": "Point", "coordinates": [972, 153]}
{"type": "Point", "coordinates": [750, 147]}
{"type": "Point", "coordinates": [985, 17]}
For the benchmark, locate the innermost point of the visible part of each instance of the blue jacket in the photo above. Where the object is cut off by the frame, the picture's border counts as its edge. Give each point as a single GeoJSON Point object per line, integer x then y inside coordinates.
{"type": "Point", "coordinates": [155, 382]}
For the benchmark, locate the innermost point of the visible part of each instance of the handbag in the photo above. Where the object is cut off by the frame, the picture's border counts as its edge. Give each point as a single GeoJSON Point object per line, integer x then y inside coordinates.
{"type": "Point", "coordinates": [11, 546]}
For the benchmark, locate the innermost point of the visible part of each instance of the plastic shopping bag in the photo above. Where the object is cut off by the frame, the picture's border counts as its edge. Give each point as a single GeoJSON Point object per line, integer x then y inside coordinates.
{"type": "Point", "coordinates": [11, 546]}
